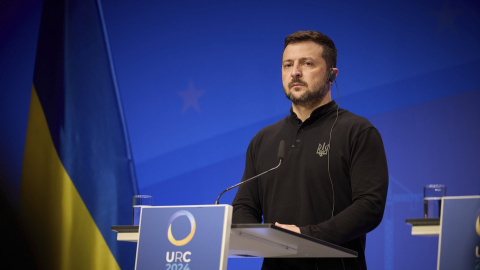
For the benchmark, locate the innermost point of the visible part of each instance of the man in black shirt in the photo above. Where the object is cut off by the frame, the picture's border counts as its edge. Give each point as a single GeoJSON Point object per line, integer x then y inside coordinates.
{"type": "Point", "coordinates": [333, 182]}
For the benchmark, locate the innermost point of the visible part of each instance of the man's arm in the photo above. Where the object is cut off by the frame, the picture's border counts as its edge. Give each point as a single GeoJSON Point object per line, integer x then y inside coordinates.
{"type": "Point", "coordinates": [369, 184]}
{"type": "Point", "coordinates": [246, 204]}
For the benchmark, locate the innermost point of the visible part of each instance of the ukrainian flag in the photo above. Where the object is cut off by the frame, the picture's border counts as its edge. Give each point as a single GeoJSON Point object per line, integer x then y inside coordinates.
{"type": "Point", "coordinates": [78, 177]}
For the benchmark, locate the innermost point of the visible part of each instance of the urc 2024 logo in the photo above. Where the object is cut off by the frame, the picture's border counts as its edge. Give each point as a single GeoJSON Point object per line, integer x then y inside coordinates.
{"type": "Point", "coordinates": [177, 260]}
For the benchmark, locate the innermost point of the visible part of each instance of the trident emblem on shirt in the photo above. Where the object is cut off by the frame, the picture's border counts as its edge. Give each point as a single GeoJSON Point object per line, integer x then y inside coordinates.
{"type": "Point", "coordinates": [322, 149]}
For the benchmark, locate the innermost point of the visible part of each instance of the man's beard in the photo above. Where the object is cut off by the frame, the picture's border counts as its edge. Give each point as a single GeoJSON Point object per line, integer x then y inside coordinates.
{"type": "Point", "coordinates": [309, 98]}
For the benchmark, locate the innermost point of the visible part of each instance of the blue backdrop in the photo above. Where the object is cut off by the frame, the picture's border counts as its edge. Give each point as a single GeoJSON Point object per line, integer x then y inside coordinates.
{"type": "Point", "coordinates": [199, 78]}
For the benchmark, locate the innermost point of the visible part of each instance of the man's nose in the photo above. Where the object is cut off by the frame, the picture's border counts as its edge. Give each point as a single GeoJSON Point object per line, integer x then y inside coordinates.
{"type": "Point", "coordinates": [296, 72]}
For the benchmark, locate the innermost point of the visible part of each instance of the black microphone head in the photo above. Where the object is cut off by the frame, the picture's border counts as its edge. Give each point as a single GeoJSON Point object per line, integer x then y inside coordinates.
{"type": "Point", "coordinates": [281, 150]}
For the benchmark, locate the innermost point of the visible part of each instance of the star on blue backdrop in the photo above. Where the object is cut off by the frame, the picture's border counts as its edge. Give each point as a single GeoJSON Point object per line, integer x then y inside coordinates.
{"type": "Point", "coordinates": [198, 79]}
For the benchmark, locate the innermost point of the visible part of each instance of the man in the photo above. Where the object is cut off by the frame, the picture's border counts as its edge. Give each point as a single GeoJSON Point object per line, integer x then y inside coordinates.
{"type": "Point", "coordinates": [333, 182]}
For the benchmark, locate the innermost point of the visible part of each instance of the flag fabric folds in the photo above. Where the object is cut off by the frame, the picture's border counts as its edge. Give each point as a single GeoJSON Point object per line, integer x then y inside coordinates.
{"type": "Point", "coordinates": [78, 177]}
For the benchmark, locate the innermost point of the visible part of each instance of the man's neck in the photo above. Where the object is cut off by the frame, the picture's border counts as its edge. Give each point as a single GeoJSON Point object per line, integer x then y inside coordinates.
{"type": "Point", "coordinates": [304, 111]}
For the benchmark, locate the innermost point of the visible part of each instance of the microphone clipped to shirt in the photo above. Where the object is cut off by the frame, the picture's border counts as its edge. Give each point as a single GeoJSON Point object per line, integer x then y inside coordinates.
{"type": "Point", "coordinates": [280, 158]}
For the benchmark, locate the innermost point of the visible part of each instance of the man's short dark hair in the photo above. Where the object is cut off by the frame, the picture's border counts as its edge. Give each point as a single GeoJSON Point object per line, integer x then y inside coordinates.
{"type": "Point", "coordinates": [329, 50]}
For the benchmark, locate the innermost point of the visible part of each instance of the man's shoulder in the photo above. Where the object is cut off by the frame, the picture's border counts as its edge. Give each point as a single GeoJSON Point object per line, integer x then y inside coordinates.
{"type": "Point", "coordinates": [275, 127]}
{"type": "Point", "coordinates": [351, 119]}
{"type": "Point", "coordinates": [268, 132]}
{"type": "Point", "coordinates": [353, 124]}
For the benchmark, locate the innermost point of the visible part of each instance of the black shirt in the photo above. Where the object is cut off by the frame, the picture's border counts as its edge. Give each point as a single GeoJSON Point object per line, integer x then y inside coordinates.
{"type": "Point", "coordinates": [340, 172]}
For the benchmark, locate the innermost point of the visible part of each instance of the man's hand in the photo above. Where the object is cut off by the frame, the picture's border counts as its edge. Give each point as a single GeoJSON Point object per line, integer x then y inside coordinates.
{"type": "Point", "coordinates": [292, 228]}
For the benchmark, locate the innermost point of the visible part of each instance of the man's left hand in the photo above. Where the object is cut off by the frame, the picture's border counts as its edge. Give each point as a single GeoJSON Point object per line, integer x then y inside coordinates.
{"type": "Point", "coordinates": [292, 228]}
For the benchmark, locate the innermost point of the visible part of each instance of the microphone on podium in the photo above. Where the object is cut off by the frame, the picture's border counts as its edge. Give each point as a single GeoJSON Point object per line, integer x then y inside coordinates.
{"type": "Point", "coordinates": [280, 157]}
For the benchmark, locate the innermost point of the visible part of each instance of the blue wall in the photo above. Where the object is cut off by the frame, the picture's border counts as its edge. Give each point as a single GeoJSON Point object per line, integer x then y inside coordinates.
{"type": "Point", "coordinates": [199, 78]}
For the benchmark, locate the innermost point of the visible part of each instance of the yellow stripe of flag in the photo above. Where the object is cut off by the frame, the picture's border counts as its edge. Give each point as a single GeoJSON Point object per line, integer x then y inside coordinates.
{"type": "Point", "coordinates": [62, 233]}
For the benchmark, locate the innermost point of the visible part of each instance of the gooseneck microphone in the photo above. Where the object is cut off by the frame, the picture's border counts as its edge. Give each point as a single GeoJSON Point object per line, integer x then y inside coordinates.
{"type": "Point", "coordinates": [280, 157]}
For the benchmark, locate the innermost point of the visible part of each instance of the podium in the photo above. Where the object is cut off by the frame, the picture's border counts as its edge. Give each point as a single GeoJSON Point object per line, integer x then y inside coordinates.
{"type": "Point", "coordinates": [264, 241]}
{"type": "Point", "coordinates": [458, 229]}
{"type": "Point", "coordinates": [239, 240]}
{"type": "Point", "coordinates": [424, 226]}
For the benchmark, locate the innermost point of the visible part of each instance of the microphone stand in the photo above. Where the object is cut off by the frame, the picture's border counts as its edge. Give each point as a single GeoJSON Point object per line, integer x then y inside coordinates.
{"type": "Point", "coordinates": [248, 180]}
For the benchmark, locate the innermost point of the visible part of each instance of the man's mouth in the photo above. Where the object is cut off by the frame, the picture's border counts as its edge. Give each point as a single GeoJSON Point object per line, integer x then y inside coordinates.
{"type": "Point", "coordinates": [295, 84]}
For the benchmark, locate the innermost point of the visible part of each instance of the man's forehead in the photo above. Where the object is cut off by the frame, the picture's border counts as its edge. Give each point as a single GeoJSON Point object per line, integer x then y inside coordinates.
{"type": "Point", "coordinates": [302, 50]}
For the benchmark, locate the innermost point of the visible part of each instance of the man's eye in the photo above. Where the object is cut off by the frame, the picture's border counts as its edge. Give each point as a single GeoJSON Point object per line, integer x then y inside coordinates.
{"type": "Point", "coordinates": [287, 65]}
{"type": "Point", "coordinates": [308, 63]}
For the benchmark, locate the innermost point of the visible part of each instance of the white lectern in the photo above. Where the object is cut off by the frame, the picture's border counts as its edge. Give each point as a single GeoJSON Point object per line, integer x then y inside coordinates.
{"type": "Point", "coordinates": [244, 240]}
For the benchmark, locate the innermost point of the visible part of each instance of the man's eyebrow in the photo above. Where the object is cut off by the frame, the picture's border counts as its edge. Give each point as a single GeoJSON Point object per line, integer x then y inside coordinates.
{"type": "Point", "coordinates": [301, 59]}
{"type": "Point", "coordinates": [306, 58]}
